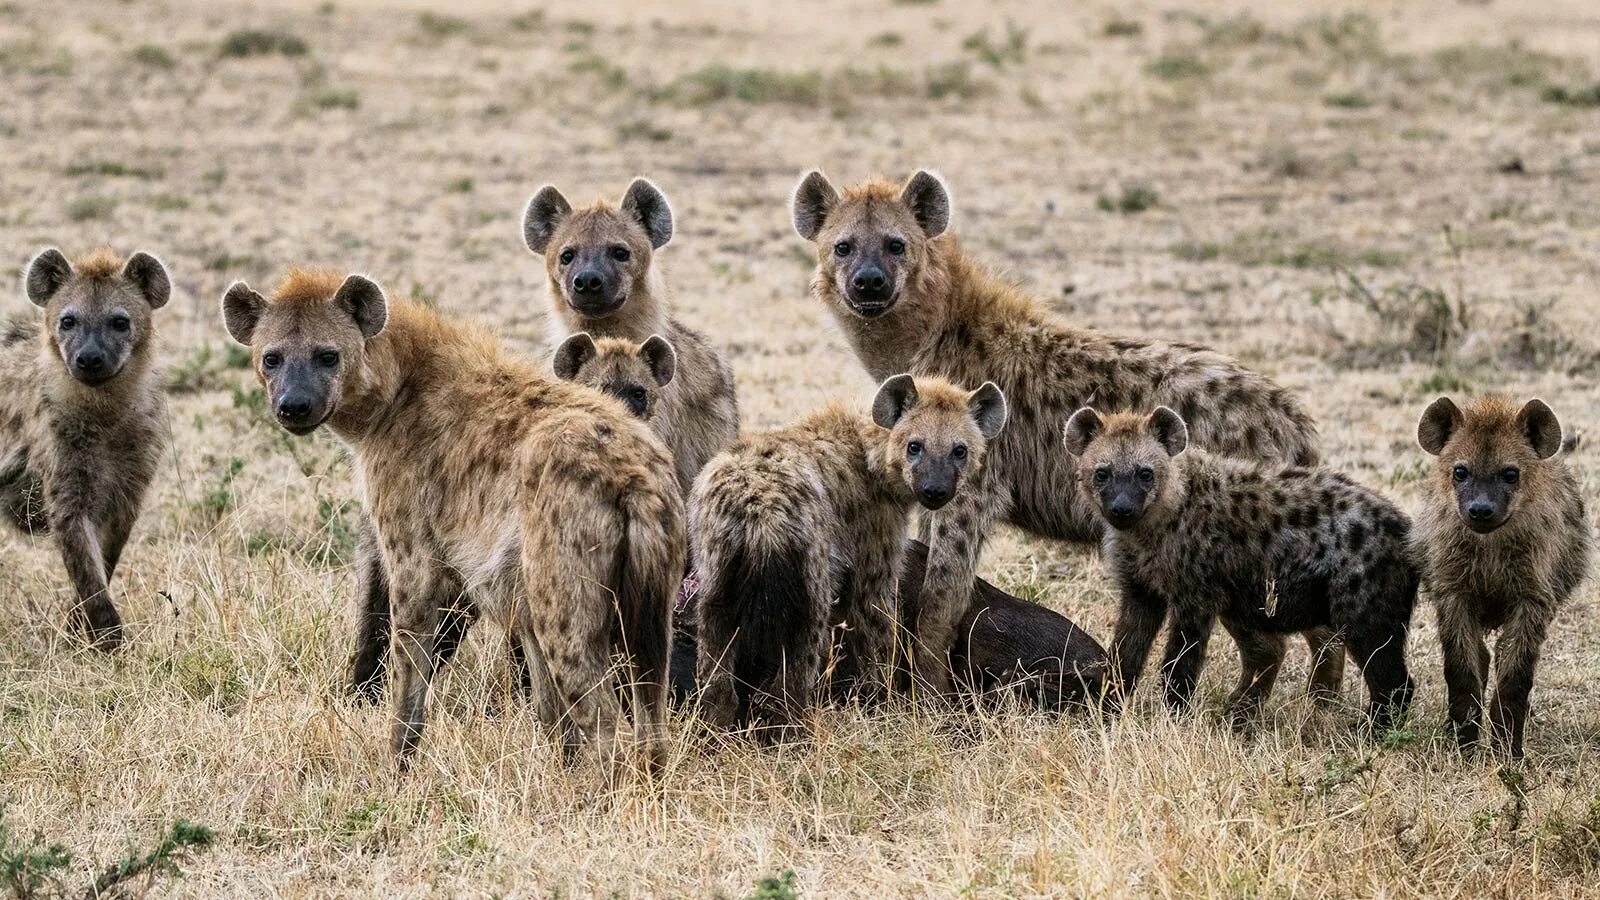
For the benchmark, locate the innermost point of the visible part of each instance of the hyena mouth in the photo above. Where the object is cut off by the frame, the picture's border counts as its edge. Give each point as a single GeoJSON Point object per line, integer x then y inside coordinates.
{"type": "Point", "coordinates": [597, 309]}
{"type": "Point", "coordinates": [872, 309]}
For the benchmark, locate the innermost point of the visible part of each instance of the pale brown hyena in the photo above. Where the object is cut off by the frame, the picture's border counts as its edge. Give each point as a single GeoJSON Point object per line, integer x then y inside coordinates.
{"type": "Point", "coordinates": [1507, 541]}
{"type": "Point", "coordinates": [1268, 550]}
{"type": "Point", "coordinates": [787, 523]}
{"type": "Point", "coordinates": [910, 300]}
{"type": "Point", "coordinates": [490, 483]}
{"type": "Point", "coordinates": [82, 419]}
{"type": "Point", "coordinates": [633, 373]}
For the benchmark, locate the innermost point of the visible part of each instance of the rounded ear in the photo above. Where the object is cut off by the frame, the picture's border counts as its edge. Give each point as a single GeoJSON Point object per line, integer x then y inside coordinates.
{"type": "Point", "coordinates": [814, 198]}
{"type": "Point", "coordinates": [241, 310]}
{"type": "Point", "coordinates": [572, 354]}
{"type": "Point", "coordinates": [929, 201]}
{"type": "Point", "coordinates": [542, 216]}
{"type": "Point", "coordinates": [645, 204]}
{"type": "Point", "coordinates": [988, 407]}
{"type": "Point", "coordinates": [1168, 429]}
{"type": "Point", "coordinates": [657, 351]}
{"type": "Point", "coordinates": [1082, 428]}
{"type": "Point", "coordinates": [149, 276]}
{"type": "Point", "coordinates": [895, 398]}
{"type": "Point", "coordinates": [1439, 421]}
{"type": "Point", "coordinates": [361, 297]}
{"type": "Point", "coordinates": [1539, 423]}
{"type": "Point", "coordinates": [46, 273]}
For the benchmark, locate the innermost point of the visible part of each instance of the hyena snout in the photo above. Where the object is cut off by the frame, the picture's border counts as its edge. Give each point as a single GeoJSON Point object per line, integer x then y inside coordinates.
{"type": "Point", "coordinates": [300, 404]}
{"type": "Point", "coordinates": [935, 483]}
{"type": "Point", "coordinates": [596, 289]}
{"type": "Point", "coordinates": [93, 356]}
{"type": "Point", "coordinates": [1123, 504]}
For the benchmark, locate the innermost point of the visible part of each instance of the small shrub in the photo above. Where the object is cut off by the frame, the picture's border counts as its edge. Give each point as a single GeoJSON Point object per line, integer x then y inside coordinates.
{"type": "Point", "coordinates": [643, 130]}
{"type": "Point", "coordinates": [1135, 198]}
{"type": "Point", "coordinates": [1123, 28]}
{"type": "Point", "coordinates": [953, 80]}
{"type": "Point", "coordinates": [439, 26]}
{"type": "Point", "coordinates": [334, 99]}
{"type": "Point", "coordinates": [760, 85]}
{"type": "Point", "coordinates": [154, 56]}
{"type": "Point", "coordinates": [460, 186]}
{"type": "Point", "coordinates": [247, 42]}
{"type": "Point", "coordinates": [109, 169]}
{"type": "Point", "coordinates": [1177, 66]}
{"type": "Point", "coordinates": [888, 39]}
{"type": "Point", "coordinates": [1011, 51]}
{"type": "Point", "coordinates": [776, 887]}
{"type": "Point", "coordinates": [1347, 100]}
{"type": "Point", "coordinates": [88, 209]}
{"type": "Point", "coordinates": [1580, 97]}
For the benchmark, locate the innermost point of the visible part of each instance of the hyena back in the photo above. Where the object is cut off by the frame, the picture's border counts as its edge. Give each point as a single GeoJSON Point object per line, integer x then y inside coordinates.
{"type": "Point", "coordinates": [1507, 541]}
{"type": "Point", "coordinates": [910, 300]}
{"type": "Point", "coordinates": [785, 522]}
{"type": "Point", "coordinates": [491, 486]}
{"type": "Point", "coordinates": [1267, 550]}
{"type": "Point", "coordinates": [82, 419]}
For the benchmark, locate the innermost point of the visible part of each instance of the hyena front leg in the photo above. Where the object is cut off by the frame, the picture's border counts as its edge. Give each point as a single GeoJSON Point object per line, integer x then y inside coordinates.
{"type": "Point", "coordinates": [1138, 622]}
{"type": "Point", "coordinates": [1260, 660]}
{"type": "Point", "coordinates": [1516, 657]}
{"type": "Point", "coordinates": [422, 599]}
{"type": "Point", "coordinates": [94, 612]}
{"type": "Point", "coordinates": [1466, 669]}
{"type": "Point", "coordinates": [1185, 655]}
{"type": "Point", "coordinates": [956, 535]}
{"type": "Point", "coordinates": [369, 663]}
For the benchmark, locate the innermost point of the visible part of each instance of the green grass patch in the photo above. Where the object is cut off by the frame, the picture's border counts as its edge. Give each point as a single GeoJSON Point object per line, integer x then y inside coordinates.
{"type": "Point", "coordinates": [1177, 66]}
{"type": "Point", "coordinates": [248, 42]}
{"type": "Point", "coordinates": [90, 209]}
{"type": "Point", "coordinates": [1266, 247]}
{"type": "Point", "coordinates": [1135, 198]}
{"type": "Point", "coordinates": [153, 55]}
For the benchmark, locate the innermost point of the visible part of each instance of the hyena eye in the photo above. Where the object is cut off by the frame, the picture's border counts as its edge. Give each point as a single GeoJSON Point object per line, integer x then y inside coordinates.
{"type": "Point", "coordinates": [841, 249]}
{"type": "Point", "coordinates": [914, 449]}
{"type": "Point", "coordinates": [1511, 476]}
{"type": "Point", "coordinates": [567, 256]}
{"type": "Point", "coordinates": [896, 247]}
{"type": "Point", "coordinates": [637, 395]}
{"type": "Point", "coordinates": [328, 358]}
{"type": "Point", "coordinates": [271, 360]}
{"type": "Point", "coordinates": [620, 254]}
{"type": "Point", "coordinates": [68, 322]}
{"type": "Point", "coordinates": [121, 323]}
{"type": "Point", "coordinates": [959, 451]}
{"type": "Point", "coordinates": [1460, 473]}
{"type": "Point", "coordinates": [1146, 474]}
{"type": "Point", "coordinates": [1102, 475]}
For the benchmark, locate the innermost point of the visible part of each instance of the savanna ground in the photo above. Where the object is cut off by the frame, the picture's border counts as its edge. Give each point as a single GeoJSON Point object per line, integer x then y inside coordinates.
{"type": "Point", "coordinates": [1372, 203]}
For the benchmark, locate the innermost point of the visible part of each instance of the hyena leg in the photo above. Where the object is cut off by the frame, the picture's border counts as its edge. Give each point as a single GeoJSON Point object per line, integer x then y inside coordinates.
{"type": "Point", "coordinates": [1466, 670]}
{"type": "Point", "coordinates": [871, 615]}
{"type": "Point", "coordinates": [1327, 664]}
{"type": "Point", "coordinates": [1260, 660]}
{"type": "Point", "coordinates": [113, 537]}
{"type": "Point", "coordinates": [1185, 654]}
{"type": "Point", "coordinates": [717, 627]}
{"type": "Point", "coordinates": [542, 688]}
{"type": "Point", "coordinates": [1516, 657]}
{"type": "Point", "coordinates": [1380, 650]}
{"type": "Point", "coordinates": [1138, 622]}
{"type": "Point", "coordinates": [94, 613]}
{"type": "Point", "coordinates": [421, 600]}
{"type": "Point", "coordinates": [957, 533]}
{"type": "Point", "coordinates": [369, 662]}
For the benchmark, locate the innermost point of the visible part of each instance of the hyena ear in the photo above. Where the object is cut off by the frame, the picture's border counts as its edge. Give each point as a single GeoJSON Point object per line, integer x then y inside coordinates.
{"type": "Point", "coordinates": [645, 204]}
{"type": "Point", "coordinates": [1168, 429]}
{"type": "Point", "coordinates": [1539, 423]}
{"type": "Point", "coordinates": [361, 297]}
{"type": "Point", "coordinates": [146, 273]}
{"type": "Point", "coordinates": [814, 198]}
{"type": "Point", "coordinates": [929, 201]}
{"type": "Point", "coordinates": [47, 272]}
{"type": "Point", "coordinates": [1439, 421]}
{"type": "Point", "coordinates": [1084, 426]}
{"type": "Point", "coordinates": [572, 354]}
{"type": "Point", "coordinates": [241, 310]}
{"type": "Point", "coordinates": [542, 216]}
{"type": "Point", "coordinates": [895, 398]}
{"type": "Point", "coordinates": [988, 407]}
{"type": "Point", "coordinates": [657, 351]}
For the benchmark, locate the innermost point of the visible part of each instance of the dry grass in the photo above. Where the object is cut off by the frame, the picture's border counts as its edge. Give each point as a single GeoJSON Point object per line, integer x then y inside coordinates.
{"type": "Point", "coordinates": [1293, 148]}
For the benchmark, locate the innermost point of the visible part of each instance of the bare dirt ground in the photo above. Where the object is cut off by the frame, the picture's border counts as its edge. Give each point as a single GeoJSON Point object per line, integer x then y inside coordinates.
{"type": "Point", "coordinates": [1372, 203]}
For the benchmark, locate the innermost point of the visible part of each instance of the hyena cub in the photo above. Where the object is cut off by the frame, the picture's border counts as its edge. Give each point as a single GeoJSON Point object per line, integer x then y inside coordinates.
{"type": "Point", "coordinates": [785, 524]}
{"type": "Point", "coordinates": [1267, 550]}
{"type": "Point", "coordinates": [492, 487]}
{"type": "Point", "coordinates": [1506, 541]}
{"type": "Point", "coordinates": [82, 420]}
{"type": "Point", "coordinates": [632, 373]}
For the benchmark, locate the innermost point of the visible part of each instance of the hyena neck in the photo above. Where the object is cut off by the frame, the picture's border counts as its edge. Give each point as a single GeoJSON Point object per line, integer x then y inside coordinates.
{"type": "Point", "coordinates": [399, 365]}
{"type": "Point", "coordinates": [644, 313]}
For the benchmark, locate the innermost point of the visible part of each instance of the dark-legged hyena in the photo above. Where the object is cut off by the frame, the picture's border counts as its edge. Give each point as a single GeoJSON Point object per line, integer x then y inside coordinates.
{"type": "Point", "coordinates": [82, 420]}
{"type": "Point", "coordinates": [909, 300]}
{"type": "Point", "coordinates": [778, 520]}
{"type": "Point", "coordinates": [600, 262]}
{"type": "Point", "coordinates": [633, 373]}
{"type": "Point", "coordinates": [1507, 541]}
{"type": "Point", "coordinates": [539, 503]}
{"type": "Point", "coordinates": [1267, 550]}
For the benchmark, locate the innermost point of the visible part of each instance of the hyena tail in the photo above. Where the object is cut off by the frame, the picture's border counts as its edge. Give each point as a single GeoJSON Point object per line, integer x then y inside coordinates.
{"type": "Point", "coordinates": [650, 565]}
{"type": "Point", "coordinates": [774, 583]}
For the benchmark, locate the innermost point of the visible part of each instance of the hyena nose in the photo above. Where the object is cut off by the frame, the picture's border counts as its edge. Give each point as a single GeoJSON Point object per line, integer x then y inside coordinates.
{"type": "Point", "coordinates": [294, 409]}
{"type": "Point", "coordinates": [870, 280]}
{"type": "Point", "coordinates": [90, 362]}
{"type": "Point", "coordinates": [934, 496]}
{"type": "Point", "coordinates": [587, 283]}
{"type": "Point", "coordinates": [1121, 509]}
{"type": "Point", "coordinates": [1480, 512]}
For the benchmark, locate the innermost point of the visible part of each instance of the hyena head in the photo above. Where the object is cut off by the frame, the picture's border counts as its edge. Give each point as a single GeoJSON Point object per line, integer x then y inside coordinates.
{"type": "Point", "coordinates": [308, 343]}
{"type": "Point", "coordinates": [598, 256]}
{"type": "Point", "coordinates": [1125, 460]}
{"type": "Point", "coordinates": [1491, 457]}
{"type": "Point", "coordinates": [937, 433]}
{"type": "Point", "coordinates": [98, 313]}
{"type": "Point", "coordinates": [632, 373]}
{"type": "Point", "coordinates": [873, 240]}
